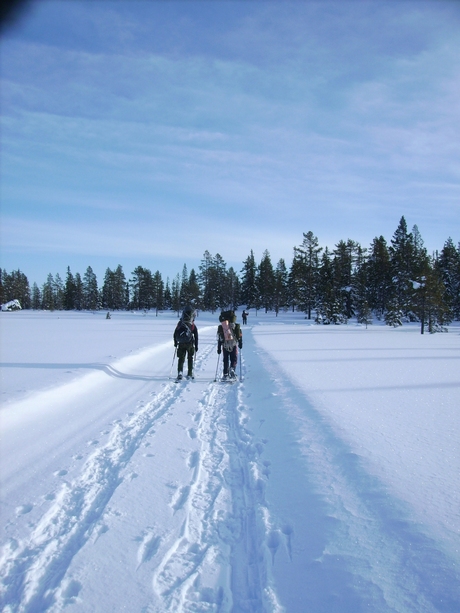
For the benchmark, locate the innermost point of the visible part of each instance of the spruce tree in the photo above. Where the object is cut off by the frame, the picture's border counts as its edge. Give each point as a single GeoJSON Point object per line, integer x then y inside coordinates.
{"type": "Point", "coordinates": [91, 299]}
{"type": "Point", "coordinates": [141, 285]}
{"type": "Point", "coordinates": [79, 298]}
{"type": "Point", "coordinates": [448, 264]}
{"type": "Point", "coordinates": [69, 291]}
{"type": "Point", "coordinates": [248, 281]}
{"type": "Point", "coordinates": [15, 286]}
{"type": "Point", "coordinates": [379, 281]}
{"type": "Point", "coordinates": [48, 298]}
{"type": "Point", "coordinates": [402, 259]}
{"type": "Point", "coordinates": [281, 296]}
{"type": "Point", "coordinates": [194, 288]}
{"type": "Point", "coordinates": [307, 272]}
{"type": "Point", "coordinates": [36, 297]}
{"type": "Point", "coordinates": [158, 292]}
{"type": "Point", "coordinates": [266, 282]}
{"type": "Point", "coordinates": [206, 277]}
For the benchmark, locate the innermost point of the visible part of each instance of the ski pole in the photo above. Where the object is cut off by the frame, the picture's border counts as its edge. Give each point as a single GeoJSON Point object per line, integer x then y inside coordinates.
{"type": "Point", "coordinates": [241, 359]}
{"type": "Point", "coordinates": [217, 367]}
{"type": "Point", "coordinates": [172, 363]}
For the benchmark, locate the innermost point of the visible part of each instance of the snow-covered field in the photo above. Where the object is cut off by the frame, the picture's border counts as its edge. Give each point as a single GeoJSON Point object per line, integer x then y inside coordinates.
{"type": "Point", "coordinates": [326, 481]}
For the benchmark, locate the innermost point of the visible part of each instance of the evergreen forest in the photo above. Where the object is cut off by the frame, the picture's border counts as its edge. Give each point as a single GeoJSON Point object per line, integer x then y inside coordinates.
{"type": "Point", "coordinates": [393, 282]}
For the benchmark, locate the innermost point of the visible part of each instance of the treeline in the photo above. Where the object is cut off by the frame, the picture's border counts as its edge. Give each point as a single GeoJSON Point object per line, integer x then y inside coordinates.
{"type": "Point", "coordinates": [394, 282]}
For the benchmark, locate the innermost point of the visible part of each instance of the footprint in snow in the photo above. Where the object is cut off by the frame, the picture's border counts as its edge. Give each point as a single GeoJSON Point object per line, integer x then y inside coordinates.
{"type": "Point", "coordinates": [70, 591]}
{"type": "Point", "coordinates": [193, 459]}
{"type": "Point", "coordinates": [148, 548]}
{"type": "Point", "coordinates": [60, 473]}
{"type": "Point", "coordinates": [288, 531]}
{"type": "Point", "coordinates": [24, 509]}
{"type": "Point", "coordinates": [273, 542]}
{"type": "Point", "coordinates": [180, 498]}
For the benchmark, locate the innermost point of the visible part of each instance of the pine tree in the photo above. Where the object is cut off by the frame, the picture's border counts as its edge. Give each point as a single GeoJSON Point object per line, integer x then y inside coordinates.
{"type": "Point", "coordinates": [141, 285]}
{"type": "Point", "coordinates": [402, 258]}
{"type": "Point", "coordinates": [307, 271]}
{"type": "Point", "coordinates": [232, 288]}
{"type": "Point", "coordinates": [295, 282]}
{"type": "Point", "coordinates": [379, 281]}
{"type": "Point", "coordinates": [219, 296]}
{"type": "Point", "coordinates": [120, 295]}
{"type": "Point", "coordinates": [58, 292]}
{"type": "Point", "coordinates": [69, 291]}
{"type": "Point", "coordinates": [248, 282]}
{"type": "Point", "coordinates": [185, 297]}
{"type": "Point", "coordinates": [48, 298]}
{"type": "Point", "coordinates": [342, 265]}
{"type": "Point", "coordinates": [79, 298]}
{"type": "Point", "coordinates": [175, 295]}
{"type": "Point", "coordinates": [167, 295]}
{"type": "Point", "coordinates": [36, 297]}
{"type": "Point", "coordinates": [448, 263]}
{"type": "Point", "coordinates": [330, 309]}
{"type": "Point", "coordinates": [205, 279]}
{"type": "Point", "coordinates": [281, 297]}
{"type": "Point", "coordinates": [360, 292]}
{"type": "Point", "coordinates": [90, 296]}
{"type": "Point", "coordinates": [194, 288]}
{"type": "Point", "coordinates": [158, 292]}
{"type": "Point", "coordinates": [266, 282]}
{"type": "Point", "coordinates": [15, 286]}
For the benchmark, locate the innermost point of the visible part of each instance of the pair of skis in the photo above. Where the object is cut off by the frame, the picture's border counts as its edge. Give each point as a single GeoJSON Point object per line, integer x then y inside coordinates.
{"type": "Point", "coordinates": [187, 378]}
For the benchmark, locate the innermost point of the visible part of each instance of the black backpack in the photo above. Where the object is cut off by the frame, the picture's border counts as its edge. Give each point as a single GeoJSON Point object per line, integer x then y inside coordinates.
{"type": "Point", "coordinates": [183, 333]}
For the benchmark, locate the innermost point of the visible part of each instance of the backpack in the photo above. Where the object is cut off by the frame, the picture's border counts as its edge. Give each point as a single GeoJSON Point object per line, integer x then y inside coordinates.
{"type": "Point", "coordinates": [184, 333]}
{"type": "Point", "coordinates": [230, 340]}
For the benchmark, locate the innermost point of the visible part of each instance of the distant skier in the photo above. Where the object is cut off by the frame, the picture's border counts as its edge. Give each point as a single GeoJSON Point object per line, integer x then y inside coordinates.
{"type": "Point", "coordinates": [245, 317]}
{"type": "Point", "coordinates": [186, 341]}
{"type": "Point", "coordinates": [229, 338]}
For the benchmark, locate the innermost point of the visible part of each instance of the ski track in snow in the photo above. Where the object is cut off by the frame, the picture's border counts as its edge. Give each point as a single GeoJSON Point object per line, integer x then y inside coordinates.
{"type": "Point", "coordinates": [221, 537]}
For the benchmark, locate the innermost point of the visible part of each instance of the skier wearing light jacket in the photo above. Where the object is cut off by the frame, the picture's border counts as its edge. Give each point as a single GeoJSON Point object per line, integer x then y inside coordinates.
{"type": "Point", "coordinates": [229, 338]}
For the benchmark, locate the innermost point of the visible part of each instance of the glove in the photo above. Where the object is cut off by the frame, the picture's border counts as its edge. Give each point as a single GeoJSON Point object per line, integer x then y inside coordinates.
{"type": "Point", "coordinates": [240, 345]}
{"type": "Point", "coordinates": [219, 351]}
{"type": "Point", "coordinates": [196, 349]}
{"type": "Point", "coordinates": [175, 345]}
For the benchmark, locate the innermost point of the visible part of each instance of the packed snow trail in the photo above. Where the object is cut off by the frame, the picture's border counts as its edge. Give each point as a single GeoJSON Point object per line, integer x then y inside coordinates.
{"type": "Point", "coordinates": [201, 552]}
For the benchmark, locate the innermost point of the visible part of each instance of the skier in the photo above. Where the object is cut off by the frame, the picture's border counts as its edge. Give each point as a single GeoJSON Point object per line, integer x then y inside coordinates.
{"type": "Point", "coordinates": [245, 317]}
{"type": "Point", "coordinates": [186, 341]}
{"type": "Point", "coordinates": [229, 338]}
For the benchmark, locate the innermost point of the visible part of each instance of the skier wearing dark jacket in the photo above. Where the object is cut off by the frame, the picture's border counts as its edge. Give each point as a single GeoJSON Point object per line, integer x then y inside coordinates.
{"type": "Point", "coordinates": [186, 341]}
{"type": "Point", "coordinates": [229, 338]}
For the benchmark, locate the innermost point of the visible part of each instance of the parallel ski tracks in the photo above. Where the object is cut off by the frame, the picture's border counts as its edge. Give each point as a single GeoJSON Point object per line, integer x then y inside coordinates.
{"type": "Point", "coordinates": [220, 551]}
{"type": "Point", "coordinates": [221, 537]}
{"type": "Point", "coordinates": [32, 569]}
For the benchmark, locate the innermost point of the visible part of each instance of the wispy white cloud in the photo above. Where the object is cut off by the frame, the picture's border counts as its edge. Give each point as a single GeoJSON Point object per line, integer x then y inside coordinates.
{"type": "Point", "coordinates": [334, 117]}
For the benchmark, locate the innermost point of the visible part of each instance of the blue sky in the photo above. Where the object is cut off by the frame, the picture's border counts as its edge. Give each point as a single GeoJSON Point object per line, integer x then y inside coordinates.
{"type": "Point", "coordinates": [144, 133]}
